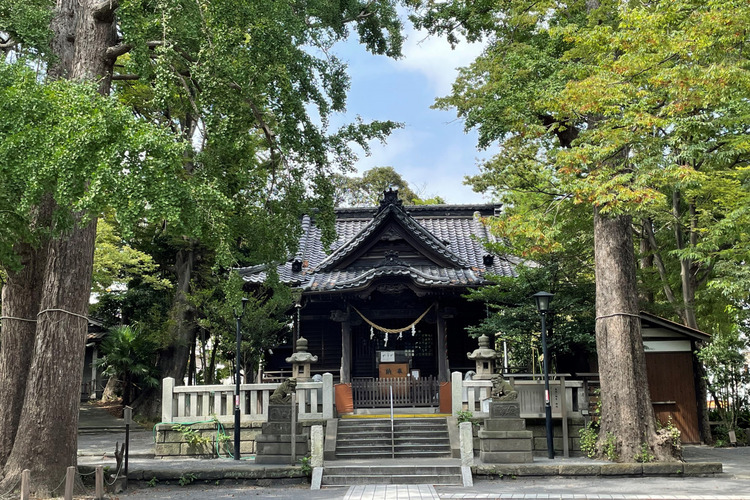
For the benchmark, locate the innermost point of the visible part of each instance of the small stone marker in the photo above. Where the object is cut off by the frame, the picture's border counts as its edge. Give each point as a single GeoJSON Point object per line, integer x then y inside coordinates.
{"type": "Point", "coordinates": [732, 438]}
{"type": "Point", "coordinates": [25, 484]}
{"type": "Point", "coordinates": [99, 478]}
{"type": "Point", "coordinates": [70, 477]}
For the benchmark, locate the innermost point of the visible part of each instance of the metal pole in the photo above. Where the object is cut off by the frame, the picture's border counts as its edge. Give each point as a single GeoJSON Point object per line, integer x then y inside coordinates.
{"type": "Point", "coordinates": [505, 356]}
{"type": "Point", "coordinates": [294, 428]}
{"type": "Point", "coordinates": [128, 413]}
{"type": "Point", "coordinates": [237, 392]}
{"type": "Point", "coordinates": [547, 406]}
{"type": "Point", "coordinates": [393, 442]}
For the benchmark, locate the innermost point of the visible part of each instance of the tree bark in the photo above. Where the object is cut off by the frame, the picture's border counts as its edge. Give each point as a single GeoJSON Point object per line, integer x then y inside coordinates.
{"type": "Point", "coordinates": [627, 416]}
{"type": "Point", "coordinates": [20, 305]}
{"type": "Point", "coordinates": [173, 359]}
{"type": "Point", "coordinates": [49, 418]}
{"type": "Point", "coordinates": [112, 389]}
{"type": "Point", "coordinates": [647, 259]}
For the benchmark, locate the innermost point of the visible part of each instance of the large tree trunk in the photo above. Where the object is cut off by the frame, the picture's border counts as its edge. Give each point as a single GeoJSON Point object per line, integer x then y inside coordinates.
{"type": "Point", "coordinates": [46, 439]}
{"type": "Point", "coordinates": [173, 359]}
{"type": "Point", "coordinates": [20, 304]}
{"type": "Point", "coordinates": [627, 417]}
{"type": "Point", "coordinates": [22, 293]}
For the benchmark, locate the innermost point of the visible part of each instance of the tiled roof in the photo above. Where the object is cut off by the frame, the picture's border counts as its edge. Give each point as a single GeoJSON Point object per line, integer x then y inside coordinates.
{"type": "Point", "coordinates": [454, 232]}
{"type": "Point", "coordinates": [377, 223]}
{"type": "Point", "coordinates": [421, 275]}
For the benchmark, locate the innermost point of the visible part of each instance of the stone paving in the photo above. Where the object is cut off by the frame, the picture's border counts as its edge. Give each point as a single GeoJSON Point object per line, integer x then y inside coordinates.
{"type": "Point", "coordinates": [573, 496]}
{"type": "Point", "coordinates": [392, 492]}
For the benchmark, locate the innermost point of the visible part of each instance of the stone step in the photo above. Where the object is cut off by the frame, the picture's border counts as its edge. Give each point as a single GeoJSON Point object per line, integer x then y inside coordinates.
{"type": "Point", "coordinates": [397, 424]}
{"type": "Point", "coordinates": [396, 429]}
{"type": "Point", "coordinates": [398, 436]}
{"type": "Point", "coordinates": [404, 437]}
{"type": "Point", "coordinates": [398, 454]}
{"type": "Point", "coordinates": [391, 474]}
{"type": "Point", "coordinates": [452, 479]}
{"type": "Point", "coordinates": [414, 424]}
{"type": "Point", "coordinates": [362, 432]}
{"type": "Point", "coordinates": [392, 469]}
{"type": "Point", "coordinates": [410, 438]}
{"type": "Point", "coordinates": [406, 422]}
{"type": "Point", "coordinates": [399, 447]}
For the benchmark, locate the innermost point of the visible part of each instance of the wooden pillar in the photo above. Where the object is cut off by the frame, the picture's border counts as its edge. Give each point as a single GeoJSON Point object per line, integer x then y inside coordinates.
{"type": "Point", "coordinates": [442, 351]}
{"type": "Point", "coordinates": [94, 382]}
{"type": "Point", "coordinates": [346, 351]}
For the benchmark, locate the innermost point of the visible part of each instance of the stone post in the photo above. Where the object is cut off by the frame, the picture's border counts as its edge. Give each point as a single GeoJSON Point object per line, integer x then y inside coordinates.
{"type": "Point", "coordinates": [316, 442]}
{"type": "Point", "coordinates": [167, 389]}
{"type": "Point", "coordinates": [327, 396]}
{"type": "Point", "coordinates": [466, 438]}
{"type": "Point", "coordinates": [456, 393]}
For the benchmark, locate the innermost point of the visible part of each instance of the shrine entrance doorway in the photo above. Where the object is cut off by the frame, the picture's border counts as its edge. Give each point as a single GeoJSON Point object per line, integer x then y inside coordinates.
{"type": "Point", "coordinates": [401, 367]}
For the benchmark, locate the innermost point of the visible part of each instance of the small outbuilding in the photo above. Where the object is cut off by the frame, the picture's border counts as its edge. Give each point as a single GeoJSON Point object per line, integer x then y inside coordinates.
{"type": "Point", "coordinates": [674, 374]}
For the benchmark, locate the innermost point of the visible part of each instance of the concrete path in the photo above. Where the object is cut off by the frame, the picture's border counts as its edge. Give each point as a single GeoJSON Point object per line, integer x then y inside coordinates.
{"type": "Point", "coordinates": [99, 432]}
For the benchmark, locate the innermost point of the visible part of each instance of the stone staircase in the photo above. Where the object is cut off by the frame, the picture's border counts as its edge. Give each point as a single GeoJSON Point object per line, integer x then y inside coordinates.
{"type": "Point", "coordinates": [412, 438]}
{"type": "Point", "coordinates": [352, 475]}
{"type": "Point", "coordinates": [362, 451]}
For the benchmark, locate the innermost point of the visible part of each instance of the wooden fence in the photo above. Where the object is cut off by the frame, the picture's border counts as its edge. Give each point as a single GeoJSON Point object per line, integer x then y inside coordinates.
{"type": "Point", "coordinates": [407, 391]}
{"type": "Point", "coordinates": [203, 402]}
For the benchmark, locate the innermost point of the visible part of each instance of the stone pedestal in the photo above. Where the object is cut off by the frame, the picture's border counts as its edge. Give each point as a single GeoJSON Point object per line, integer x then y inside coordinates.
{"type": "Point", "coordinates": [504, 438]}
{"type": "Point", "coordinates": [274, 444]}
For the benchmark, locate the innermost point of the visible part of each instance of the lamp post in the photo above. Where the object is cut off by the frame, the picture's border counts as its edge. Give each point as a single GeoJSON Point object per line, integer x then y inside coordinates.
{"type": "Point", "coordinates": [542, 305]}
{"type": "Point", "coordinates": [238, 318]}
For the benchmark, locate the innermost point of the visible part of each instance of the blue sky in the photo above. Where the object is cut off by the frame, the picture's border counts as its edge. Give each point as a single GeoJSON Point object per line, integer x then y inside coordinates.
{"type": "Point", "coordinates": [432, 152]}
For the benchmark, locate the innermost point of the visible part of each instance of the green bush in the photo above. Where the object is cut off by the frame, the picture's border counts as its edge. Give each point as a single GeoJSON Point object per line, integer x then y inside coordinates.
{"type": "Point", "coordinates": [589, 435]}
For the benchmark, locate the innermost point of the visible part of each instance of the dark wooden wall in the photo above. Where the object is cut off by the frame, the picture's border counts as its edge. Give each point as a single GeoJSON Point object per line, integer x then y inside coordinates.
{"type": "Point", "coordinates": [671, 382]}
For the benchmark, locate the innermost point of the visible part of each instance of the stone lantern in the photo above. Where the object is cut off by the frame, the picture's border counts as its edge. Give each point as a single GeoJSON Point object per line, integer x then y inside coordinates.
{"type": "Point", "coordinates": [485, 359]}
{"type": "Point", "coordinates": [301, 361]}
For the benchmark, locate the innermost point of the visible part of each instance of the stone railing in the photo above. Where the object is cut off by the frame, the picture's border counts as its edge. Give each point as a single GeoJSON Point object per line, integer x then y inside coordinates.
{"type": "Point", "coordinates": [567, 399]}
{"type": "Point", "coordinates": [204, 402]}
{"type": "Point", "coordinates": [471, 395]}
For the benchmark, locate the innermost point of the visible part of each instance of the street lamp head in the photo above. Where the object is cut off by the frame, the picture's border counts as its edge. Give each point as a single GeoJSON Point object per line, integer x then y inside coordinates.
{"type": "Point", "coordinates": [239, 313]}
{"type": "Point", "coordinates": [542, 301]}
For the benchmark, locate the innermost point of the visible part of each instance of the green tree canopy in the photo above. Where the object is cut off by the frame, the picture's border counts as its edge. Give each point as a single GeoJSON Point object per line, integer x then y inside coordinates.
{"type": "Point", "coordinates": [216, 143]}
{"type": "Point", "coordinates": [636, 110]}
{"type": "Point", "coordinates": [367, 190]}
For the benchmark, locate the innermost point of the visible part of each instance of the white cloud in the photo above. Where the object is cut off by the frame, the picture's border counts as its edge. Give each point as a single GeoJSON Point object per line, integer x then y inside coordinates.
{"type": "Point", "coordinates": [433, 57]}
{"type": "Point", "coordinates": [432, 152]}
{"type": "Point", "coordinates": [401, 143]}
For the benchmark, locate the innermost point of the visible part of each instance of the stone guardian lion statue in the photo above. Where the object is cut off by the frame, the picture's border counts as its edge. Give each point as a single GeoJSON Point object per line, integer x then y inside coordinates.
{"type": "Point", "coordinates": [283, 393]}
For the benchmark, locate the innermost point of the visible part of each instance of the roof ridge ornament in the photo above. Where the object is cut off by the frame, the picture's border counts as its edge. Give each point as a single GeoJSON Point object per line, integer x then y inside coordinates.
{"type": "Point", "coordinates": [390, 197]}
{"type": "Point", "coordinates": [390, 258]}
